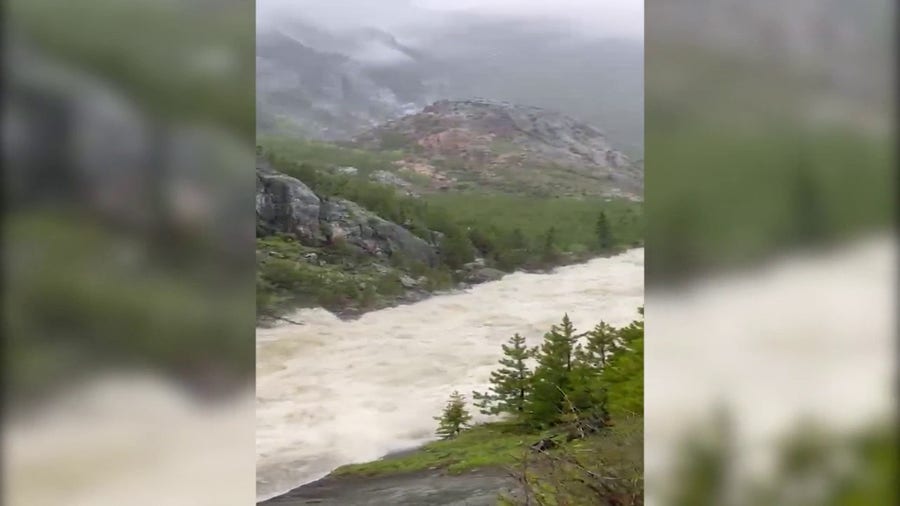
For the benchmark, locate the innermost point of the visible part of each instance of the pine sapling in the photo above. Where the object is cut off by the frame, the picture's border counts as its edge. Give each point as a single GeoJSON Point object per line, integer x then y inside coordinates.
{"type": "Point", "coordinates": [455, 417]}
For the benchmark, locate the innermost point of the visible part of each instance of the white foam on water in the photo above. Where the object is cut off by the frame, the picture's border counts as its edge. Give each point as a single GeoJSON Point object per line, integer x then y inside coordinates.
{"type": "Point", "coordinates": [332, 392]}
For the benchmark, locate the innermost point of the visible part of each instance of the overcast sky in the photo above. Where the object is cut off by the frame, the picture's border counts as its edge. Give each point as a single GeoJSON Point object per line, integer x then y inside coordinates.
{"type": "Point", "coordinates": [601, 18]}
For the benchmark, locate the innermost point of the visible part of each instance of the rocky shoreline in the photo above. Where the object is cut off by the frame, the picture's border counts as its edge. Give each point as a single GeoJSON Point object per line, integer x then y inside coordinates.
{"type": "Point", "coordinates": [415, 295]}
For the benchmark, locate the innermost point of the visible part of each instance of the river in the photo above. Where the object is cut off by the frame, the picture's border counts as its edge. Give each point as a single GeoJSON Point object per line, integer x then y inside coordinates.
{"type": "Point", "coordinates": [332, 392]}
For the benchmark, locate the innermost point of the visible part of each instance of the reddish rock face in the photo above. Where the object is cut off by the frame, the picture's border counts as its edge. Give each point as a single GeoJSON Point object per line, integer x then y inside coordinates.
{"type": "Point", "coordinates": [492, 137]}
{"type": "Point", "coordinates": [452, 142]}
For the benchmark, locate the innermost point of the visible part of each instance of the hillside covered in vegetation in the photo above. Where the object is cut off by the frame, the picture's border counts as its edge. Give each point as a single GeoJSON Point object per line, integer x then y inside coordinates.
{"type": "Point", "coordinates": [458, 194]}
{"type": "Point", "coordinates": [350, 238]}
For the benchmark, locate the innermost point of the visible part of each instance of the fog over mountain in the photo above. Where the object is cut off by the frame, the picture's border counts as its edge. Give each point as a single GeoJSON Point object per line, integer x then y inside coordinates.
{"type": "Point", "coordinates": [334, 70]}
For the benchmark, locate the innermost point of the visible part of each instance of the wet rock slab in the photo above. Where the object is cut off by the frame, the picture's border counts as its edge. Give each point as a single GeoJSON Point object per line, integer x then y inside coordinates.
{"type": "Point", "coordinates": [422, 488]}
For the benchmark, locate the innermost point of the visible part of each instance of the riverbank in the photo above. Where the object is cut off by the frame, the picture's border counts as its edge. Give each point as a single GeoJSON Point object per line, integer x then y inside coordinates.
{"type": "Point", "coordinates": [474, 468]}
{"type": "Point", "coordinates": [470, 467]}
{"type": "Point", "coordinates": [335, 391]}
{"type": "Point", "coordinates": [351, 309]}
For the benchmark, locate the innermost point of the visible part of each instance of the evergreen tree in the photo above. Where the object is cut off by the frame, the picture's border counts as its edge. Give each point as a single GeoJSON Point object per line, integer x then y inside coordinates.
{"type": "Point", "coordinates": [454, 418]}
{"type": "Point", "coordinates": [485, 242]}
{"type": "Point", "coordinates": [623, 377]}
{"type": "Point", "coordinates": [553, 375]}
{"type": "Point", "coordinates": [601, 344]}
{"type": "Point", "coordinates": [456, 249]}
{"type": "Point", "coordinates": [550, 250]}
{"type": "Point", "coordinates": [604, 232]}
{"type": "Point", "coordinates": [587, 398]}
{"type": "Point", "coordinates": [584, 408]}
{"type": "Point", "coordinates": [511, 383]}
{"type": "Point", "coordinates": [568, 336]}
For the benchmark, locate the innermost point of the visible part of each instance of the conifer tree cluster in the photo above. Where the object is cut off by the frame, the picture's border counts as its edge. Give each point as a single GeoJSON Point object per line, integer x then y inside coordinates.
{"type": "Point", "coordinates": [576, 377]}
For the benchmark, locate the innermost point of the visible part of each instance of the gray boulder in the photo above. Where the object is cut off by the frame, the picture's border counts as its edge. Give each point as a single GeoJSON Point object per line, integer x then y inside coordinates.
{"type": "Point", "coordinates": [408, 282]}
{"type": "Point", "coordinates": [346, 221]}
{"type": "Point", "coordinates": [390, 179]}
{"type": "Point", "coordinates": [475, 264]}
{"type": "Point", "coordinates": [284, 204]}
{"type": "Point", "coordinates": [483, 275]}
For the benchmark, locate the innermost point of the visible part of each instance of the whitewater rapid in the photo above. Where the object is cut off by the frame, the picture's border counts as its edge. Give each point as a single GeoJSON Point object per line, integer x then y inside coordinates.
{"type": "Point", "coordinates": [332, 392]}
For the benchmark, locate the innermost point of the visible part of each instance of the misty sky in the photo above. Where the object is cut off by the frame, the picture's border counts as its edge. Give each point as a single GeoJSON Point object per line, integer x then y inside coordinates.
{"type": "Point", "coordinates": [600, 18]}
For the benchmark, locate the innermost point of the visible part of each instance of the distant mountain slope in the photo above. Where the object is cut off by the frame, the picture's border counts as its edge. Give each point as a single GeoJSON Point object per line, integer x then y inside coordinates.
{"type": "Point", "coordinates": [503, 146]}
{"type": "Point", "coordinates": [332, 85]}
{"type": "Point", "coordinates": [324, 95]}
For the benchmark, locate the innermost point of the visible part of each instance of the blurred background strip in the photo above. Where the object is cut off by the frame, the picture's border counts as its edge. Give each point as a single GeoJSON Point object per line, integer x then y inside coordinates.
{"type": "Point", "coordinates": [127, 252]}
{"type": "Point", "coordinates": [771, 259]}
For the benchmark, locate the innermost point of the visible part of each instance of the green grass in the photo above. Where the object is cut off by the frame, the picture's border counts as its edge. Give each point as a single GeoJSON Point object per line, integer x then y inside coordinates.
{"type": "Point", "coordinates": [418, 180]}
{"type": "Point", "coordinates": [503, 444]}
{"type": "Point", "coordinates": [338, 280]}
{"type": "Point", "coordinates": [285, 277]}
{"type": "Point", "coordinates": [487, 445]}
{"type": "Point", "coordinates": [325, 155]}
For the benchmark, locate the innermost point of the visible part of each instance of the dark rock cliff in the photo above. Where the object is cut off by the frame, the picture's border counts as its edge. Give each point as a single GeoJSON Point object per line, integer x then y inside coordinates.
{"type": "Point", "coordinates": [286, 205]}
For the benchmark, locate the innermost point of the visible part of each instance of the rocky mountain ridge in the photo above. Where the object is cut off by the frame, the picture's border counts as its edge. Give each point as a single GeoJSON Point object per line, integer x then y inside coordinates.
{"type": "Point", "coordinates": [492, 143]}
{"type": "Point", "coordinates": [332, 84]}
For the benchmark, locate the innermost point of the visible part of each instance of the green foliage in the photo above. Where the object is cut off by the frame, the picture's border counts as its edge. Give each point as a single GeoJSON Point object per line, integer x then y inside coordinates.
{"type": "Point", "coordinates": [485, 445]}
{"type": "Point", "coordinates": [617, 451]}
{"type": "Point", "coordinates": [454, 418]}
{"type": "Point", "coordinates": [605, 238]}
{"type": "Point", "coordinates": [602, 343]}
{"type": "Point", "coordinates": [553, 375]}
{"type": "Point", "coordinates": [579, 379]}
{"type": "Point", "coordinates": [456, 249]}
{"type": "Point", "coordinates": [623, 376]}
{"type": "Point", "coordinates": [549, 248]}
{"type": "Point", "coordinates": [511, 383]}
{"type": "Point", "coordinates": [338, 279]}
{"type": "Point", "coordinates": [511, 230]}
{"type": "Point", "coordinates": [600, 469]}
{"type": "Point", "coordinates": [325, 156]}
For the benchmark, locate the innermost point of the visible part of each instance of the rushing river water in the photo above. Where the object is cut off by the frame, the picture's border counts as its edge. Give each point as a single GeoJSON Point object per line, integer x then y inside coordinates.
{"type": "Point", "coordinates": [333, 392]}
